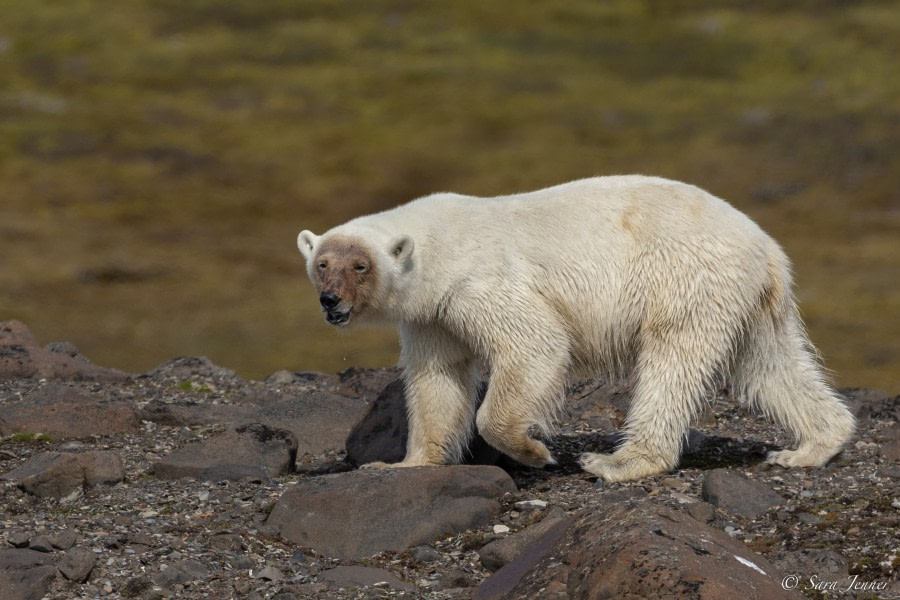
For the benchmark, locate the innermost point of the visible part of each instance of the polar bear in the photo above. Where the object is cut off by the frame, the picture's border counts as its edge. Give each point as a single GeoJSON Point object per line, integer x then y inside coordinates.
{"type": "Point", "coordinates": [611, 275]}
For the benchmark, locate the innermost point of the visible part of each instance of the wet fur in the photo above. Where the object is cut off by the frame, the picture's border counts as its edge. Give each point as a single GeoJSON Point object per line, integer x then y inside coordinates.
{"type": "Point", "coordinates": [610, 275]}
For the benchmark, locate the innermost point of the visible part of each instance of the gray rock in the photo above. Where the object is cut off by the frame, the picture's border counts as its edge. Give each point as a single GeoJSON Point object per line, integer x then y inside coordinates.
{"type": "Point", "coordinates": [22, 357]}
{"type": "Point", "coordinates": [40, 543]}
{"type": "Point", "coordinates": [387, 509]}
{"type": "Point", "coordinates": [18, 539]}
{"type": "Point", "coordinates": [643, 550]}
{"type": "Point", "coordinates": [63, 412]}
{"type": "Point", "coordinates": [58, 474]}
{"type": "Point", "coordinates": [268, 573]}
{"type": "Point", "coordinates": [357, 577]}
{"type": "Point", "coordinates": [826, 564]}
{"type": "Point", "coordinates": [182, 572]}
{"type": "Point", "coordinates": [77, 564]}
{"type": "Point", "coordinates": [253, 451]}
{"type": "Point", "coordinates": [25, 574]}
{"type": "Point", "coordinates": [702, 511]}
{"type": "Point", "coordinates": [380, 435]}
{"type": "Point", "coordinates": [425, 554]}
{"type": "Point", "coordinates": [500, 552]}
{"type": "Point", "coordinates": [738, 495]}
{"type": "Point", "coordinates": [64, 540]}
{"type": "Point", "coordinates": [320, 421]}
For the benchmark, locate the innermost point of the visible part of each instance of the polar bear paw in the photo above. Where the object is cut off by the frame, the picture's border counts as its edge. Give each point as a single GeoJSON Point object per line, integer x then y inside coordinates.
{"type": "Point", "coordinates": [804, 456]}
{"type": "Point", "coordinates": [619, 466]}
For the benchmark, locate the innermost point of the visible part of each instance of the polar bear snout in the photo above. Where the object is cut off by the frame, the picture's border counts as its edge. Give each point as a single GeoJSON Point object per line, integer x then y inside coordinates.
{"type": "Point", "coordinates": [329, 300]}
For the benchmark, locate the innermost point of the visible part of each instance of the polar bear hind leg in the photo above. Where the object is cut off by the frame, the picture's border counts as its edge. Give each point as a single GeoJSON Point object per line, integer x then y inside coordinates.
{"type": "Point", "coordinates": [674, 374]}
{"type": "Point", "coordinates": [778, 371]}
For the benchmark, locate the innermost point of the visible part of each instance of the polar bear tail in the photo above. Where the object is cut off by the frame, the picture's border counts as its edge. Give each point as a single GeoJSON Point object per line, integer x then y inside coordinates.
{"type": "Point", "coordinates": [778, 370]}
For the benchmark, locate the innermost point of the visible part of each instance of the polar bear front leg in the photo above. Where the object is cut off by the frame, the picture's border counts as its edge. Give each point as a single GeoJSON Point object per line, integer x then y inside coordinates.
{"type": "Point", "coordinates": [525, 390]}
{"type": "Point", "coordinates": [441, 392]}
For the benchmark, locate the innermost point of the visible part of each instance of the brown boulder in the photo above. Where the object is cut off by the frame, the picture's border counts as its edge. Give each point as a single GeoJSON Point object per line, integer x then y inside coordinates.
{"type": "Point", "coordinates": [252, 451]}
{"type": "Point", "coordinates": [22, 357]}
{"type": "Point", "coordinates": [58, 474]}
{"type": "Point", "coordinates": [64, 412]}
{"type": "Point", "coordinates": [635, 550]}
{"type": "Point", "coordinates": [360, 513]}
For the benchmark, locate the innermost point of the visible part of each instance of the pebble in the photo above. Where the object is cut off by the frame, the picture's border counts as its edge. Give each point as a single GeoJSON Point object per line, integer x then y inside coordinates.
{"type": "Point", "coordinates": [501, 529]}
{"type": "Point", "coordinates": [530, 504]}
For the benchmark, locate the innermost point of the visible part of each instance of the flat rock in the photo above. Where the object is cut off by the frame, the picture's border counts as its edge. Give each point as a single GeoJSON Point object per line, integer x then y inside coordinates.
{"type": "Point", "coordinates": [25, 574]}
{"type": "Point", "coordinates": [58, 474]}
{"type": "Point", "coordinates": [503, 551]}
{"type": "Point", "coordinates": [635, 550]}
{"type": "Point", "coordinates": [387, 509]}
{"type": "Point", "coordinates": [65, 412]}
{"type": "Point", "coordinates": [738, 495]}
{"type": "Point", "coordinates": [381, 434]}
{"type": "Point", "coordinates": [182, 572]}
{"type": "Point", "coordinates": [77, 564]}
{"type": "Point", "coordinates": [252, 451]}
{"type": "Point", "coordinates": [319, 420]}
{"type": "Point", "coordinates": [21, 356]}
{"type": "Point", "coordinates": [358, 577]}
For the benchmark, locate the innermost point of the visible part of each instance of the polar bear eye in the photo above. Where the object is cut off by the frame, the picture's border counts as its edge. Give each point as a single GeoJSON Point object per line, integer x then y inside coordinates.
{"type": "Point", "coordinates": [322, 265]}
{"type": "Point", "coordinates": [361, 268]}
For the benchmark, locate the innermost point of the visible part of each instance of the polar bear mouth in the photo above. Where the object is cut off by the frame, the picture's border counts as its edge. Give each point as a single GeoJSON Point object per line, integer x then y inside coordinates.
{"type": "Point", "coordinates": [337, 317]}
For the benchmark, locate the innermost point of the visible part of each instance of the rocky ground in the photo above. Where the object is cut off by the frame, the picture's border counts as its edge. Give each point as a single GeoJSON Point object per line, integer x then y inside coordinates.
{"type": "Point", "coordinates": [190, 482]}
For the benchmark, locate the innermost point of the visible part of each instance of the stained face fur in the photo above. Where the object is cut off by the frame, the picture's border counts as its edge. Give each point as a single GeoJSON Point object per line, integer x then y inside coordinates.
{"type": "Point", "coordinates": [345, 275]}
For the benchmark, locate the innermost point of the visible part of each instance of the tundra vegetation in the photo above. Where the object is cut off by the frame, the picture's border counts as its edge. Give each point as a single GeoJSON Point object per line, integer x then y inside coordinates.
{"type": "Point", "coordinates": [157, 157]}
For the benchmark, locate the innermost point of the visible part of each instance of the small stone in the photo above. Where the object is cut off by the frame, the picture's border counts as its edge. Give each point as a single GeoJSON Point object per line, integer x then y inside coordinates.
{"type": "Point", "coordinates": [530, 505]}
{"type": "Point", "coordinates": [63, 540]}
{"type": "Point", "coordinates": [501, 529]}
{"type": "Point", "coordinates": [425, 554]}
{"type": "Point", "coordinates": [41, 543]}
{"type": "Point", "coordinates": [702, 511]}
{"type": "Point", "coordinates": [18, 539]}
{"type": "Point", "coordinates": [268, 572]}
{"type": "Point", "coordinates": [77, 564]}
{"type": "Point", "coordinates": [808, 518]}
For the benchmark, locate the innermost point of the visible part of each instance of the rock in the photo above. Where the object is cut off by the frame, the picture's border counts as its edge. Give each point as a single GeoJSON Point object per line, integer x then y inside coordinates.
{"type": "Point", "coordinates": [738, 495]}
{"type": "Point", "coordinates": [182, 572]}
{"type": "Point", "coordinates": [642, 550]}
{"type": "Point", "coordinates": [702, 511]}
{"type": "Point", "coordinates": [268, 573]}
{"type": "Point", "coordinates": [22, 357]}
{"type": "Point", "coordinates": [63, 412]}
{"type": "Point", "coordinates": [253, 451]}
{"type": "Point", "coordinates": [357, 577]}
{"type": "Point", "coordinates": [425, 554]}
{"type": "Point", "coordinates": [365, 384]}
{"type": "Point", "coordinates": [387, 509]}
{"type": "Point", "coordinates": [18, 539]}
{"type": "Point", "coordinates": [40, 543]}
{"type": "Point", "coordinates": [63, 540]}
{"type": "Point", "coordinates": [77, 564]}
{"type": "Point", "coordinates": [380, 435]}
{"type": "Point", "coordinates": [319, 420]}
{"type": "Point", "coordinates": [25, 574]}
{"type": "Point", "coordinates": [868, 403]}
{"type": "Point", "coordinates": [58, 474]}
{"type": "Point", "coordinates": [503, 551]}
{"type": "Point", "coordinates": [825, 564]}
{"type": "Point", "coordinates": [187, 367]}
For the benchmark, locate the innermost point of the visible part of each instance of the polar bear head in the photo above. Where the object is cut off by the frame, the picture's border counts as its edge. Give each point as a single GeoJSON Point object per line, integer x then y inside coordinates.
{"type": "Point", "coordinates": [354, 273]}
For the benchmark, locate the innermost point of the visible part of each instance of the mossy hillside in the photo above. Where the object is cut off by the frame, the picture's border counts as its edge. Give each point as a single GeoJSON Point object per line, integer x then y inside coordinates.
{"type": "Point", "coordinates": [158, 158]}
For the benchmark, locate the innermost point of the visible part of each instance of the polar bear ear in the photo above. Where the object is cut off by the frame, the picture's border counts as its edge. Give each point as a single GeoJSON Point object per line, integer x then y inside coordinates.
{"type": "Point", "coordinates": [306, 241]}
{"type": "Point", "coordinates": [401, 247]}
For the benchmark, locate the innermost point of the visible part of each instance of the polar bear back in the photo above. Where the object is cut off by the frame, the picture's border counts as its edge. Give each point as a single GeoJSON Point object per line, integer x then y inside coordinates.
{"type": "Point", "coordinates": [608, 254]}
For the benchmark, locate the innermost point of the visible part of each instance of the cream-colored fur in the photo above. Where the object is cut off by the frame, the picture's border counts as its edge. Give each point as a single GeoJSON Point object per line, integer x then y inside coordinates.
{"type": "Point", "coordinates": [609, 275]}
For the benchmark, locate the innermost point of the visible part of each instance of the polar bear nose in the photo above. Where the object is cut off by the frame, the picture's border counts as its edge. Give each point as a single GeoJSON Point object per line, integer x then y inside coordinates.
{"type": "Point", "coordinates": [329, 300]}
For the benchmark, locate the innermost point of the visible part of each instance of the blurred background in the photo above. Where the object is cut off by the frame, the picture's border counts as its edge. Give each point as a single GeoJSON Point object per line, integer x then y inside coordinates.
{"type": "Point", "coordinates": [159, 157]}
